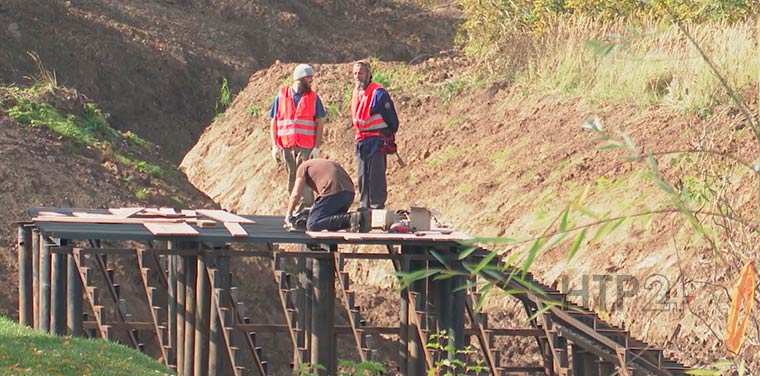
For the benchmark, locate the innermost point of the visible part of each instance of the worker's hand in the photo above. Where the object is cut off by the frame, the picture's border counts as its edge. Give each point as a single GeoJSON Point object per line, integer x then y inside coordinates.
{"type": "Point", "coordinates": [276, 155]}
{"type": "Point", "coordinates": [314, 153]}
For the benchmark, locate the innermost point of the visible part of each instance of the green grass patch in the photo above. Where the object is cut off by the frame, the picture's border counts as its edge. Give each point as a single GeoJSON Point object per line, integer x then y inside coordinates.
{"type": "Point", "coordinates": [499, 158]}
{"type": "Point", "coordinates": [90, 128]}
{"type": "Point", "coordinates": [396, 77]}
{"type": "Point", "coordinates": [225, 97]}
{"type": "Point", "coordinates": [646, 64]}
{"type": "Point", "coordinates": [254, 110]}
{"type": "Point", "coordinates": [24, 351]}
{"type": "Point", "coordinates": [142, 194]}
{"type": "Point", "coordinates": [135, 140]}
{"type": "Point", "coordinates": [441, 157]}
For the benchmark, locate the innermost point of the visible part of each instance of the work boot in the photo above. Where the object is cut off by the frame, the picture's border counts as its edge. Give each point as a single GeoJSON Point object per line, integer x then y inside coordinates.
{"type": "Point", "coordinates": [360, 220]}
{"type": "Point", "coordinates": [355, 220]}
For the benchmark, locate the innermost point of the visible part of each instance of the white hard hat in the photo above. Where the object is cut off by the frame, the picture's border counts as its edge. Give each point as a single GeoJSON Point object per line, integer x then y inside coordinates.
{"type": "Point", "coordinates": [301, 71]}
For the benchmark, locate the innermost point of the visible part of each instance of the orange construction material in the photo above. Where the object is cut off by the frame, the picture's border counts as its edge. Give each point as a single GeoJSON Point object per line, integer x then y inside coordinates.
{"type": "Point", "coordinates": [742, 299]}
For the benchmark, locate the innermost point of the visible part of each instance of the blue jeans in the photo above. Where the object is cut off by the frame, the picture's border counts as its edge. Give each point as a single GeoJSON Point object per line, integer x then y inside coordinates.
{"type": "Point", "coordinates": [331, 212]}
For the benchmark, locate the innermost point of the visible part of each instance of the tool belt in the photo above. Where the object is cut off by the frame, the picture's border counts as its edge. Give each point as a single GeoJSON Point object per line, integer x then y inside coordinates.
{"type": "Point", "coordinates": [389, 144]}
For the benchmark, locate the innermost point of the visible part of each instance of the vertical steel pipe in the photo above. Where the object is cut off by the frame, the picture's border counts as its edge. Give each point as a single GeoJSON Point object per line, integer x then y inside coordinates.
{"type": "Point", "coordinates": [44, 284]}
{"type": "Point", "coordinates": [323, 319]}
{"type": "Point", "coordinates": [36, 278]}
{"type": "Point", "coordinates": [58, 293]}
{"type": "Point", "coordinates": [73, 297]}
{"type": "Point", "coordinates": [216, 343]}
{"type": "Point", "coordinates": [25, 294]}
{"type": "Point", "coordinates": [171, 303]}
{"type": "Point", "coordinates": [202, 312]}
{"type": "Point", "coordinates": [416, 359]}
{"type": "Point", "coordinates": [403, 335]}
{"type": "Point", "coordinates": [180, 334]}
{"type": "Point", "coordinates": [190, 277]}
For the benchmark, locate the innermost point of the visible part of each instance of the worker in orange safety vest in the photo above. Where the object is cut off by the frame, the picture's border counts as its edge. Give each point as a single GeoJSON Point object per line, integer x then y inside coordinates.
{"type": "Point", "coordinates": [375, 121]}
{"type": "Point", "coordinates": [296, 116]}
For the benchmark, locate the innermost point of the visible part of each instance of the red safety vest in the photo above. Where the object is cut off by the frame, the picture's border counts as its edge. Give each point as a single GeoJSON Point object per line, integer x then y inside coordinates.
{"type": "Point", "coordinates": [366, 125]}
{"type": "Point", "coordinates": [296, 125]}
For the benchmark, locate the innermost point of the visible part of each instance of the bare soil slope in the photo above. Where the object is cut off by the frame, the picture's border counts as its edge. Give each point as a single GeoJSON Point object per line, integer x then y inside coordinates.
{"type": "Point", "coordinates": [38, 168]}
{"type": "Point", "coordinates": [496, 162]}
{"type": "Point", "coordinates": [157, 66]}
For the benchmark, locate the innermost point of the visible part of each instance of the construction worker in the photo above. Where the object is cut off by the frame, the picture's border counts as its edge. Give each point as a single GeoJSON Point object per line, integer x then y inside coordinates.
{"type": "Point", "coordinates": [335, 194]}
{"type": "Point", "coordinates": [296, 125]}
{"type": "Point", "coordinates": [375, 122]}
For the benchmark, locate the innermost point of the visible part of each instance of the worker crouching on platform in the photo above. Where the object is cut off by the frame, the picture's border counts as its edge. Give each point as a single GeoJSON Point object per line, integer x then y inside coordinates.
{"type": "Point", "coordinates": [334, 193]}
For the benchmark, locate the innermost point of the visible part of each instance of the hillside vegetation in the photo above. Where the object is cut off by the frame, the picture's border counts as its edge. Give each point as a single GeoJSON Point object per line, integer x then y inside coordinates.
{"type": "Point", "coordinates": [57, 148]}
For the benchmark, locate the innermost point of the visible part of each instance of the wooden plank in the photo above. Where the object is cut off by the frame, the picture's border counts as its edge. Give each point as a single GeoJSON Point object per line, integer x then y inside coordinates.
{"type": "Point", "coordinates": [235, 229]}
{"type": "Point", "coordinates": [223, 216]}
{"type": "Point", "coordinates": [95, 215]}
{"type": "Point", "coordinates": [114, 220]}
{"type": "Point", "coordinates": [159, 212]}
{"type": "Point", "coordinates": [170, 228]}
{"type": "Point", "coordinates": [126, 212]}
{"type": "Point", "coordinates": [51, 214]}
{"type": "Point", "coordinates": [387, 236]}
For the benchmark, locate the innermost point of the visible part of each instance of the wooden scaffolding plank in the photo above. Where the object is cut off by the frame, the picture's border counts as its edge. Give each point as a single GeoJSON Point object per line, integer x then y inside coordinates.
{"type": "Point", "coordinates": [235, 229]}
{"type": "Point", "coordinates": [171, 229]}
{"type": "Point", "coordinates": [223, 216]}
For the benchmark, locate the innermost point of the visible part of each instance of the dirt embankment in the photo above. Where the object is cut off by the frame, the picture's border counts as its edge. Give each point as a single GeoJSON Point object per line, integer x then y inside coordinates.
{"type": "Point", "coordinates": [497, 162]}
{"type": "Point", "coordinates": [39, 168]}
{"type": "Point", "coordinates": [157, 66]}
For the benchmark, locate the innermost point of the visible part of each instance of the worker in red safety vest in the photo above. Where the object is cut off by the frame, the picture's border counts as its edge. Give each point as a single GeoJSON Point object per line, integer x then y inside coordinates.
{"type": "Point", "coordinates": [296, 127]}
{"type": "Point", "coordinates": [375, 121]}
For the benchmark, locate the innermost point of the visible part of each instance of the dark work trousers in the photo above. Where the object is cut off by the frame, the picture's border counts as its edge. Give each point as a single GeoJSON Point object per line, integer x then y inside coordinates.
{"type": "Point", "coordinates": [373, 188]}
{"type": "Point", "coordinates": [293, 158]}
{"type": "Point", "coordinates": [331, 212]}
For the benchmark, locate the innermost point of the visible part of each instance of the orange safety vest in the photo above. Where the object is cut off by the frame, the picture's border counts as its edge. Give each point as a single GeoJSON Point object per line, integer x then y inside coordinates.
{"type": "Point", "coordinates": [366, 125]}
{"type": "Point", "coordinates": [296, 125]}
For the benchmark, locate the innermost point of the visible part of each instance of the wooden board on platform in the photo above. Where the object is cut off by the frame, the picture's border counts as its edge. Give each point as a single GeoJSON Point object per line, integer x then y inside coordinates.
{"type": "Point", "coordinates": [171, 229]}
{"type": "Point", "coordinates": [223, 216]}
{"type": "Point", "coordinates": [105, 220]}
{"type": "Point", "coordinates": [235, 229]}
{"type": "Point", "coordinates": [455, 236]}
{"type": "Point", "coordinates": [125, 212]}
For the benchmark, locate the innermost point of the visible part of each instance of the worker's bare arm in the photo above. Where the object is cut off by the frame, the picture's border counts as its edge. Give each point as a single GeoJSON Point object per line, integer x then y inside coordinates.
{"type": "Point", "coordinates": [295, 196]}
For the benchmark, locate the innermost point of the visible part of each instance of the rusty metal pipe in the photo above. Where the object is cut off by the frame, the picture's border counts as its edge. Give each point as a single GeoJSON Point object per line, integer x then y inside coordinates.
{"type": "Point", "coordinates": [73, 298]}
{"type": "Point", "coordinates": [202, 308]}
{"type": "Point", "coordinates": [25, 293]}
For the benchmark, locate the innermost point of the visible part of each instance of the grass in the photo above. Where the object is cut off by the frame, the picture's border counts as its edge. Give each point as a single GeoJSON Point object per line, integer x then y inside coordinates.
{"type": "Point", "coordinates": [142, 194]}
{"type": "Point", "coordinates": [396, 77]}
{"type": "Point", "coordinates": [24, 351]}
{"type": "Point", "coordinates": [27, 106]}
{"type": "Point", "coordinates": [647, 64]}
{"type": "Point", "coordinates": [450, 153]}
